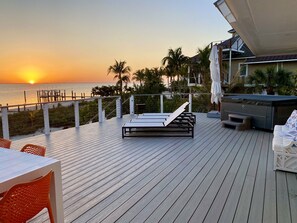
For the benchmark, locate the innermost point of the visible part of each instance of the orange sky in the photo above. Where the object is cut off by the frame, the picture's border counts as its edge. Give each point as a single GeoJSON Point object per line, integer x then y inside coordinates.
{"type": "Point", "coordinates": [76, 41]}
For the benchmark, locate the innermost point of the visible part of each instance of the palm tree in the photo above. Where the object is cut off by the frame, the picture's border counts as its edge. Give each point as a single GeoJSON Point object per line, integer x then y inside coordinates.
{"type": "Point", "coordinates": [122, 73]}
{"type": "Point", "coordinates": [174, 61]}
{"type": "Point", "coordinates": [271, 80]}
{"type": "Point", "coordinates": [139, 75]}
{"type": "Point", "coordinates": [203, 65]}
{"type": "Point", "coordinates": [153, 82]}
{"type": "Point", "coordinates": [125, 79]}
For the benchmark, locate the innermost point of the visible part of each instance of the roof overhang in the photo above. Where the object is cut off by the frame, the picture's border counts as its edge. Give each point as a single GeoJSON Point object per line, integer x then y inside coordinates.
{"type": "Point", "coordinates": [233, 50]}
{"type": "Point", "coordinates": [268, 27]}
{"type": "Point", "coordinates": [272, 61]}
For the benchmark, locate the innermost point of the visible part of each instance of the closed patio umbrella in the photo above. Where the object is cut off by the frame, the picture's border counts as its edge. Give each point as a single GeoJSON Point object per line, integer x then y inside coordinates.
{"type": "Point", "coordinates": [216, 92]}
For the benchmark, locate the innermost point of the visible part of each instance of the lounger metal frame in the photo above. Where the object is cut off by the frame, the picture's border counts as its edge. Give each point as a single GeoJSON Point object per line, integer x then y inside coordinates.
{"type": "Point", "coordinates": [180, 129]}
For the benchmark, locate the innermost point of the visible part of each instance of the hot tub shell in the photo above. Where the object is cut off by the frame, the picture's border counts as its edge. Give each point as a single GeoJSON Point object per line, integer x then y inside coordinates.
{"type": "Point", "coordinates": [266, 110]}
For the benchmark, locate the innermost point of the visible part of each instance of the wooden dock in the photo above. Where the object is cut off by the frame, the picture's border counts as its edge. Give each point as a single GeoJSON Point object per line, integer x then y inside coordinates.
{"type": "Point", "coordinates": [57, 95]}
{"type": "Point", "coordinates": [221, 175]}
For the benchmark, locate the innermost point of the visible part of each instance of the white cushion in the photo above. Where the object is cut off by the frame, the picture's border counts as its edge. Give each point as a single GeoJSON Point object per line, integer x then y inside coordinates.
{"type": "Point", "coordinates": [278, 129]}
{"type": "Point", "coordinates": [280, 143]}
{"type": "Point", "coordinates": [292, 121]}
{"type": "Point", "coordinates": [283, 137]}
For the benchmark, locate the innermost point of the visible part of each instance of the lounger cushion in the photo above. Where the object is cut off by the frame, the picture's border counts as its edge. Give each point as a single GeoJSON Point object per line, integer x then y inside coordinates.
{"type": "Point", "coordinates": [143, 125]}
{"type": "Point", "coordinates": [148, 120]}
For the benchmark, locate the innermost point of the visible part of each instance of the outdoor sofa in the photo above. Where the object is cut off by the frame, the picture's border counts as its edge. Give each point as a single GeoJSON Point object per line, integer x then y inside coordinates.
{"type": "Point", "coordinates": [284, 145]}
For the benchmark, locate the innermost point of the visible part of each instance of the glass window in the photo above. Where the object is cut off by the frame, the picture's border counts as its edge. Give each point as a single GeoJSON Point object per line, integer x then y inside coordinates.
{"type": "Point", "coordinates": [243, 69]}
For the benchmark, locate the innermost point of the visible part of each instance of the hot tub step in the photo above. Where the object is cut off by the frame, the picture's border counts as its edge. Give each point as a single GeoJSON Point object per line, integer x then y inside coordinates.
{"type": "Point", "coordinates": [237, 125]}
{"type": "Point", "coordinates": [240, 122]}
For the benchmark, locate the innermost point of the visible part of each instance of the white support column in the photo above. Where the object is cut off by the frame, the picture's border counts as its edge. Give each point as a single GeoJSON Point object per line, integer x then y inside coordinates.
{"type": "Point", "coordinates": [119, 107]}
{"type": "Point", "coordinates": [132, 112]}
{"type": "Point", "coordinates": [190, 102]}
{"type": "Point", "coordinates": [100, 114]}
{"type": "Point", "coordinates": [161, 103]}
{"type": "Point", "coordinates": [5, 126]}
{"type": "Point", "coordinates": [76, 113]}
{"type": "Point", "coordinates": [230, 66]}
{"type": "Point", "coordinates": [46, 119]}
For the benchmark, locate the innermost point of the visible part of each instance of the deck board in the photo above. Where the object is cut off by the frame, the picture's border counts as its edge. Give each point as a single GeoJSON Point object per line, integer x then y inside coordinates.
{"type": "Point", "coordinates": [231, 203]}
{"type": "Point", "coordinates": [283, 204]}
{"type": "Point", "coordinates": [219, 201]}
{"type": "Point", "coordinates": [256, 209]}
{"type": "Point", "coordinates": [292, 189]}
{"type": "Point", "coordinates": [243, 208]}
{"type": "Point", "coordinates": [221, 175]}
{"type": "Point", "coordinates": [269, 215]}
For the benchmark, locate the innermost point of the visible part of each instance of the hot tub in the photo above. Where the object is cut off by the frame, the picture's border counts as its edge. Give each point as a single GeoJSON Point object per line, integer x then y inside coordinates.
{"type": "Point", "coordinates": [266, 110]}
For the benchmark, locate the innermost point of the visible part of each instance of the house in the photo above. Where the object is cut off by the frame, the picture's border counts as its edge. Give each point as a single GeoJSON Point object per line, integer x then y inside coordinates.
{"type": "Point", "coordinates": [244, 62]}
{"type": "Point", "coordinates": [240, 61]}
{"type": "Point", "coordinates": [263, 35]}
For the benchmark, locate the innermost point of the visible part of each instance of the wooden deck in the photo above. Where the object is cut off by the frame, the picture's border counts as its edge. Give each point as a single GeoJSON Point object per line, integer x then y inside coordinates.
{"type": "Point", "coordinates": [221, 175]}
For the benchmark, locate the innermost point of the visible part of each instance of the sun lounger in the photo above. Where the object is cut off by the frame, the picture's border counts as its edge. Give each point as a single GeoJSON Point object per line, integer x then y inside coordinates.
{"type": "Point", "coordinates": [191, 119]}
{"type": "Point", "coordinates": [181, 108]}
{"type": "Point", "coordinates": [183, 114]}
{"type": "Point", "coordinates": [161, 120]}
{"type": "Point", "coordinates": [148, 120]}
{"type": "Point", "coordinates": [188, 116]}
{"type": "Point", "coordinates": [172, 125]}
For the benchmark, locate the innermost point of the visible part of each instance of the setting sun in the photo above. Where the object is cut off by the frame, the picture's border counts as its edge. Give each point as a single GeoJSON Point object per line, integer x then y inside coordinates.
{"type": "Point", "coordinates": [31, 74]}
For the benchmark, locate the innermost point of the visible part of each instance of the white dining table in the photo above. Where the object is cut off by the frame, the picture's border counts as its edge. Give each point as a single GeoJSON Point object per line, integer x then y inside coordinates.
{"type": "Point", "coordinates": [17, 167]}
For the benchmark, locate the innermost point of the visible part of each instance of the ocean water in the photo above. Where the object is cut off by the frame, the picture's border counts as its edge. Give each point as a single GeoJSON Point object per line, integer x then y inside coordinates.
{"type": "Point", "coordinates": [13, 94]}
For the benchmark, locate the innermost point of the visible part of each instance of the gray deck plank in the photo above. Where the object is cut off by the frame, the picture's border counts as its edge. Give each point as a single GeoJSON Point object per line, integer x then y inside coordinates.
{"type": "Point", "coordinates": [256, 209]}
{"type": "Point", "coordinates": [283, 204]}
{"type": "Point", "coordinates": [124, 173]}
{"type": "Point", "coordinates": [221, 175]}
{"type": "Point", "coordinates": [203, 203]}
{"type": "Point", "coordinates": [218, 204]}
{"type": "Point", "coordinates": [292, 189]}
{"type": "Point", "coordinates": [243, 208]}
{"type": "Point", "coordinates": [207, 201]}
{"type": "Point", "coordinates": [171, 198]}
{"type": "Point", "coordinates": [183, 208]}
{"type": "Point", "coordinates": [179, 179]}
{"type": "Point", "coordinates": [227, 214]}
{"type": "Point", "coordinates": [118, 211]}
{"type": "Point", "coordinates": [175, 204]}
{"type": "Point", "coordinates": [269, 214]}
{"type": "Point", "coordinates": [131, 176]}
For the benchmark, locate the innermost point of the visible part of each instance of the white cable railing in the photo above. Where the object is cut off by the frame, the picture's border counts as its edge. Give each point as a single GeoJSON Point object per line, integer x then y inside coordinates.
{"type": "Point", "coordinates": [7, 110]}
{"type": "Point", "coordinates": [116, 106]}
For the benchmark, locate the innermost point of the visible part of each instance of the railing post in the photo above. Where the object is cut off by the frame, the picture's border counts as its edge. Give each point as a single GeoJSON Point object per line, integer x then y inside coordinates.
{"type": "Point", "coordinates": [5, 127]}
{"type": "Point", "coordinates": [119, 107]}
{"type": "Point", "coordinates": [190, 102]}
{"type": "Point", "coordinates": [100, 114]}
{"type": "Point", "coordinates": [132, 105]}
{"type": "Point", "coordinates": [46, 119]}
{"type": "Point", "coordinates": [76, 113]}
{"type": "Point", "coordinates": [161, 103]}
